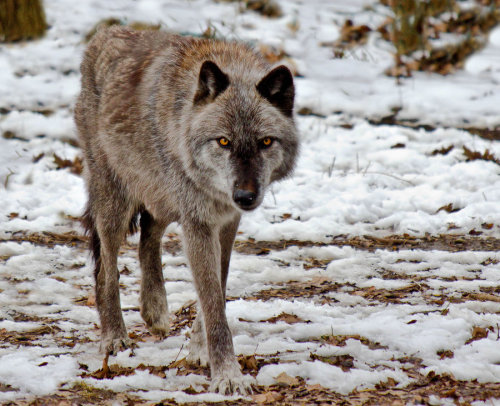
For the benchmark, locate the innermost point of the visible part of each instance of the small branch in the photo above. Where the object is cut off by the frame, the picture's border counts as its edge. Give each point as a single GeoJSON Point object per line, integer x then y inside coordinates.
{"type": "Point", "coordinates": [391, 176]}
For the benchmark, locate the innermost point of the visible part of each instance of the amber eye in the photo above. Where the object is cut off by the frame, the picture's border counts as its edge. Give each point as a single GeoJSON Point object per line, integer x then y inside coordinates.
{"type": "Point", "coordinates": [266, 142]}
{"type": "Point", "coordinates": [223, 142]}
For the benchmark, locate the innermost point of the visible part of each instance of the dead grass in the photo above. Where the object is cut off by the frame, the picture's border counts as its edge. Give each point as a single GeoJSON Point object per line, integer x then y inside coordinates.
{"type": "Point", "coordinates": [443, 242]}
{"type": "Point", "coordinates": [21, 20]}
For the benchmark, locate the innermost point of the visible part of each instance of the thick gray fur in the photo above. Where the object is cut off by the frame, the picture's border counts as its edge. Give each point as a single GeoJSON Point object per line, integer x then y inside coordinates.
{"type": "Point", "coordinates": [150, 116]}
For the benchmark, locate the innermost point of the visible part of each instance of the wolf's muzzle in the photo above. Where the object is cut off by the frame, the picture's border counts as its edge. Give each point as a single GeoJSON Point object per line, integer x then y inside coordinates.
{"type": "Point", "coordinates": [246, 199]}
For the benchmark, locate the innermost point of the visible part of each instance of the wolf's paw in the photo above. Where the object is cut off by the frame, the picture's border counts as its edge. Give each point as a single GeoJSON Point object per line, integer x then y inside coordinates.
{"type": "Point", "coordinates": [197, 346]}
{"type": "Point", "coordinates": [233, 384]}
{"type": "Point", "coordinates": [161, 326]}
{"type": "Point", "coordinates": [230, 381]}
{"type": "Point", "coordinates": [113, 346]}
{"type": "Point", "coordinates": [198, 353]}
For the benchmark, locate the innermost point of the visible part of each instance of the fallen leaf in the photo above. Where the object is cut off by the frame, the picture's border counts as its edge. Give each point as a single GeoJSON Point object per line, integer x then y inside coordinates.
{"type": "Point", "coordinates": [267, 397]}
{"type": "Point", "coordinates": [449, 208]}
{"type": "Point", "coordinates": [345, 361]}
{"type": "Point", "coordinates": [287, 380]}
{"type": "Point", "coordinates": [248, 362]}
{"type": "Point", "coordinates": [286, 317]}
{"type": "Point", "coordinates": [442, 151]}
{"type": "Point", "coordinates": [478, 333]}
{"type": "Point", "coordinates": [190, 390]}
{"type": "Point", "coordinates": [316, 386]}
{"type": "Point", "coordinates": [445, 354]}
{"type": "Point", "coordinates": [91, 300]}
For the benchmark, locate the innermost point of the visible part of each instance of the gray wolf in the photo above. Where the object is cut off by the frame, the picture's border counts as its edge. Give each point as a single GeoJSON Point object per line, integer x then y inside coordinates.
{"type": "Point", "coordinates": [187, 130]}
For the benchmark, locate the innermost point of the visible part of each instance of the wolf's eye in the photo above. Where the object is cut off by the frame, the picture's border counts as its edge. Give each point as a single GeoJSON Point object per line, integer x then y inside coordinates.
{"type": "Point", "coordinates": [223, 142]}
{"type": "Point", "coordinates": [266, 142]}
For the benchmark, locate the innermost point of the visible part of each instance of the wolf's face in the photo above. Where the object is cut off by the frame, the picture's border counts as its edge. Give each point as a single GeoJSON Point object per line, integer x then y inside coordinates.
{"type": "Point", "coordinates": [243, 137]}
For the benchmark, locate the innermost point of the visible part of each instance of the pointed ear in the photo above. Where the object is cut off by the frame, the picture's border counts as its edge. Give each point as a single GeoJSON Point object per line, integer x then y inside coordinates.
{"type": "Point", "coordinates": [277, 87]}
{"type": "Point", "coordinates": [211, 82]}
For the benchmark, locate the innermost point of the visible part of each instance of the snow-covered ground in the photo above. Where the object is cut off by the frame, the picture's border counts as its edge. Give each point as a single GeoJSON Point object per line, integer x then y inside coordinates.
{"type": "Point", "coordinates": [352, 179]}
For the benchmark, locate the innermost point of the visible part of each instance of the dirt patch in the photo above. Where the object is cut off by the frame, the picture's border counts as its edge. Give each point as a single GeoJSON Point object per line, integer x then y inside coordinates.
{"type": "Point", "coordinates": [25, 338]}
{"type": "Point", "coordinates": [442, 242]}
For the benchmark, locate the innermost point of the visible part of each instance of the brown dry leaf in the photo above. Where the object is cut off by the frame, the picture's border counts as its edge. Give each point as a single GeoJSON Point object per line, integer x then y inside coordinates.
{"type": "Point", "coordinates": [442, 151]}
{"type": "Point", "coordinates": [316, 386]}
{"type": "Point", "coordinates": [351, 34]}
{"type": "Point", "coordinates": [340, 341]}
{"type": "Point", "coordinates": [190, 390]}
{"type": "Point", "coordinates": [449, 208]}
{"type": "Point", "coordinates": [389, 383]}
{"type": "Point", "coordinates": [248, 362]}
{"type": "Point", "coordinates": [445, 354]}
{"type": "Point", "coordinates": [345, 361]}
{"type": "Point", "coordinates": [185, 368]}
{"type": "Point", "coordinates": [91, 300]}
{"type": "Point", "coordinates": [179, 363]}
{"type": "Point", "coordinates": [286, 317]}
{"type": "Point", "coordinates": [485, 156]}
{"type": "Point", "coordinates": [478, 333]}
{"type": "Point", "coordinates": [485, 297]}
{"type": "Point", "coordinates": [268, 8]}
{"type": "Point", "coordinates": [76, 166]}
{"type": "Point", "coordinates": [318, 280]}
{"type": "Point", "coordinates": [286, 380]}
{"type": "Point", "coordinates": [490, 261]}
{"type": "Point", "coordinates": [134, 336]}
{"type": "Point", "coordinates": [267, 397]}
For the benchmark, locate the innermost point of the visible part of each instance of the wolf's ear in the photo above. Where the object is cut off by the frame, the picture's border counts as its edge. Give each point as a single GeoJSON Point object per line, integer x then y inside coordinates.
{"type": "Point", "coordinates": [277, 87]}
{"type": "Point", "coordinates": [211, 82]}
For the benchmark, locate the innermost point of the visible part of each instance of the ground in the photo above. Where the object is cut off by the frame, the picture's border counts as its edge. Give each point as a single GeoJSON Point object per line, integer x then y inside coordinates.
{"type": "Point", "coordinates": [369, 277]}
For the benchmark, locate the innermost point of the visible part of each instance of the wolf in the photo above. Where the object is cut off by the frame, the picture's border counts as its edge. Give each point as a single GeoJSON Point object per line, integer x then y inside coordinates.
{"type": "Point", "coordinates": [187, 130]}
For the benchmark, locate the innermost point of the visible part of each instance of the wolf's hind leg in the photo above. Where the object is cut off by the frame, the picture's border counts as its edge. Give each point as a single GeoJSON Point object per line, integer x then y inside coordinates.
{"type": "Point", "coordinates": [110, 214]}
{"type": "Point", "coordinates": [154, 308]}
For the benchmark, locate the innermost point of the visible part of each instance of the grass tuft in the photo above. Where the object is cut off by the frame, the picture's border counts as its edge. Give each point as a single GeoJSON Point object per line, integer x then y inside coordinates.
{"type": "Point", "coordinates": [21, 20]}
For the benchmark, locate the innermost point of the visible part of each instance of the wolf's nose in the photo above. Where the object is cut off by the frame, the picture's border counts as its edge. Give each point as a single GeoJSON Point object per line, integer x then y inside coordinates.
{"type": "Point", "coordinates": [244, 198]}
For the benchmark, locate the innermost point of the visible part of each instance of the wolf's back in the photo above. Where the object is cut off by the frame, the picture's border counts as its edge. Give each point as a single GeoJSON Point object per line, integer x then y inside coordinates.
{"type": "Point", "coordinates": [105, 49]}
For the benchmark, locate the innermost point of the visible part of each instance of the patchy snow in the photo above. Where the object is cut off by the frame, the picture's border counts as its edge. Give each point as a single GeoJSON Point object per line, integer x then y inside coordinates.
{"type": "Point", "coordinates": [353, 178]}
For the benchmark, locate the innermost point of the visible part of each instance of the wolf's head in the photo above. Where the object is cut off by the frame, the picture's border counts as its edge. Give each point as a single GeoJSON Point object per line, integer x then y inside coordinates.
{"type": "Point", "coordinates": [242, 136]}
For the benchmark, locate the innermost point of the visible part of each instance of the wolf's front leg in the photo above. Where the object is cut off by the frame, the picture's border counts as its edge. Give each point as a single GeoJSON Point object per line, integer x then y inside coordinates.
{"type": "Point", "coordinates": [204, 254]}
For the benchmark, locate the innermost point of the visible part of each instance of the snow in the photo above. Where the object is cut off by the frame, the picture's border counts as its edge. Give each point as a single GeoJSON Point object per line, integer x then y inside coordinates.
{"type": "Point", "coordinates": [353, 178]}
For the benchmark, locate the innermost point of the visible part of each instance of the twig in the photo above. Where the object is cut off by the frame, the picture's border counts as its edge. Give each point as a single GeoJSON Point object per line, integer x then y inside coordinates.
{"type": "Point", "coordinates": [367, 166]}
{"type": "Point", "coordinates": [330, 168]}
{"type": "Point", "coordinates": [105, 367]}
{"type": "Point", "coordinates": [11, 172]}
{"type": "Point", "coordinates": [392, 176]}
{"type": "Point", "coordinates": [274, 196]}
{"type": "Point", "coordinates": [179, 353]}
